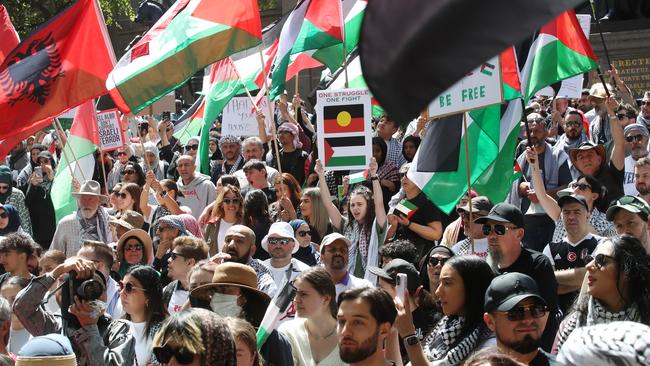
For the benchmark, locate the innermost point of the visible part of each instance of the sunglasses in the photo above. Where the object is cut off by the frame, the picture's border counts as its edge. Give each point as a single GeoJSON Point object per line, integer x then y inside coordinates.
{"type": "Point", "coordinates": [129, 288]}
{"type": "Point", "coordinates": [231, 201]}
{"type": "Point", "coordinates": [647, 102]}
{"type": "Point", "coordinates": [191, 147]}
{"type": "Point", "coordinates": [498, 229]}
{"type": "Point", "coordinates": [304, 233]}
{"type": "Point", "coordinates": [165, 354]}
{"type": "Point", "coordinates": [433, 261]}
{"type": "Point", "coordinates": [279, 241]}
{"type": "Point", "coordinates": [163, 228]}
{"type": "Point", "coordinates": [633, 138]}
{"type": "Point", "coordinates": [402, 175]}
{"type": "Point", "coordinates": [121, 195]}
{"type": "Point", "coordinates": [600, 260]}
{"type": "Point", "coordinates": [621, 116]}
{"type": "Point", "coordinates": [134, 247]}
{"type": "Point", "coordinates": [4, 188]}
{"type": "Point", "coordinates": [129, 172]}
{"type": "Point", "coordinates": [573, 123]}
{"type": "Point", "coordinates": [581, 186]}
{"type": "Point", "coordinates": [175, 255]}
{"type": "Point", "coordinates": [121, 153]}
{"type": "Point", "coordinates": [4, 215]}
{"type": "Point", "coordinates": [519, 313]}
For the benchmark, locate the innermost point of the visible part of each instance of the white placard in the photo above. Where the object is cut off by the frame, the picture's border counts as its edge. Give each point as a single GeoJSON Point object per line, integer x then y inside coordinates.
{"type": "Point", "coordinates": [480, 88]}
{"type": "Point", "coordinates": [239, 117]}
{"type": "Point", "coordinates": [110, 130]}
{"type": "Point", "coordinates": [344, 128]}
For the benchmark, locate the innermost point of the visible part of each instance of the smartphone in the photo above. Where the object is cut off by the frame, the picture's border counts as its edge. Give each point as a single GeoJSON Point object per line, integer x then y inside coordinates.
{"type": "Point", "coordinates": [38, 171]}
{"type": "Point", "coordinates": [400, 285]}
{"type": "Point", "coordinates": [166, 116]}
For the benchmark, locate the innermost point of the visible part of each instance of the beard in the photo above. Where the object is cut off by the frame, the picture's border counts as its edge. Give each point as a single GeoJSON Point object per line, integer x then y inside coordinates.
{"type": "Point", "coordinates": [235, 258]}
{"type": "Point", "coordinates": [87, 212]}
{"type": "Point", "coordinates": [639, 152]}
{"type": "Point", "coordinates": [643, 189]}
{"type": "Point", "coordinates": [494, 258]}
{"type": "Point", "coordinates": [524, 346]}
{"type": "Point", "coordinates": [338, 263]}
{"type": "Point", "coordinates": [366, 349]}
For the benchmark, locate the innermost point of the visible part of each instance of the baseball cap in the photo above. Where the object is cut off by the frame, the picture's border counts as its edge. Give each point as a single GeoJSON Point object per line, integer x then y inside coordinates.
{"type": "Point", "coordinates": [507, 290]}
{"type": "Point", "coordinates": [398, 265]}
{"type": "Point", "coordinates": [632, 204]}
{"type": "Point", "coordinates": [481, 205]}
{"type": "Point", "coordinates": [331, 239]}
{"type": "Point", "coordinates": [572, 199]}
{"type": "Point", "coordinates": [504, 212]}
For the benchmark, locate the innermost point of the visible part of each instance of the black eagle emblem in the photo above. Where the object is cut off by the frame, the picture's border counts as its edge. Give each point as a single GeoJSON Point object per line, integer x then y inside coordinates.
{"type": "Point", "coordinates": [29, 75]}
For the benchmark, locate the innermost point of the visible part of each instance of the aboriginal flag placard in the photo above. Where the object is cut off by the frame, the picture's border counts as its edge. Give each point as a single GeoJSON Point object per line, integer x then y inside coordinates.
{"type": "Point", "coordinates": [343, 118]}
{"type": "Point", "coordinates": [343, 123]}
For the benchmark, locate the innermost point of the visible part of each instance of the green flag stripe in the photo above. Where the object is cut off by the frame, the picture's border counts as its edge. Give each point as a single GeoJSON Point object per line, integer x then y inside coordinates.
{"type": "Point", "coordinates": [346, 160]}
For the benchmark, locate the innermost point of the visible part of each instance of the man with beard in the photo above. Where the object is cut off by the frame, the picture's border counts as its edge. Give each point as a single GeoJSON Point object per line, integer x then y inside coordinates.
{"type": "Point", "coordinates": [239, 247]}
{"type": "Point", "coordinates": [232, 158]}
{"type": "Point", "coordinates": [280, 243]}
{"type": "Point", "coordinates": [556, 175]}
{"type": "Point", "coordinates": [89, 222]}
{"type": "Point", "coordinates": [574, 135]}
{"type": "Point", "coordinates": [334, 256]}
{"type": "Point", "coordinates": [642, 177]}
{"type": "Point", "coordinates": [198, 191]}
{"type": "Point", "coordinates": [517, 314]}
{"type": "Point", "coordinates": [644, 116]}
{"type": "Point", "coordinates": [365, 318]}
{"type": "Point", "coordinates": [292, 156]}
{"type": "Point", "coordinates": [584, 104]}
{"type": "Point", "coordinates": [630, 216]}
{"type": "Point", "coordinates": [636, 142]}
{"type": "Point", "coordinates": [504, 226]}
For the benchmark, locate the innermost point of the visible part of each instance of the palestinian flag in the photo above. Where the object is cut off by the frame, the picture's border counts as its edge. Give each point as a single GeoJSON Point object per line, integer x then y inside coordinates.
{"type": "Point", "coordinates": [191, 122]}
{"type": "Point", "coordinates": [359, 177]}
{"type": "Point", "coordinates": [405, 208]}
{"type": "Point", "coordinates": [343, 118]}
{"type": "Point", "coordinates": [61, 64]}
{"type": "Point", "coordinates": [189, 36]}
{"type": "Point", "coordinates": [344, 151]}
{"type": "Point", "coordinates": [82, 142]}
{"type": "Point", "coordinates": [439, 166]}
{"type": "Point", "coordinates": [8, 36]}
{"type": "Point", "coordinates": [559, 52]}
{"type": "Point", "coordinates": [355, 81]}
{"type": "Point", "coordinates": [313, 24]}
{"type": "Point", "coordinates": [510, 75]}
{"type": "Point", "coordinates": [274, 311]}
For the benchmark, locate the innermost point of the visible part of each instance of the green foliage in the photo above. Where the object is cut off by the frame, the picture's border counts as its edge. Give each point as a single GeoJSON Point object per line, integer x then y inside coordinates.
{"type": "Point", "coordinates": [27, 15]}
{"type": "Point", "coordinates": [268, 4]}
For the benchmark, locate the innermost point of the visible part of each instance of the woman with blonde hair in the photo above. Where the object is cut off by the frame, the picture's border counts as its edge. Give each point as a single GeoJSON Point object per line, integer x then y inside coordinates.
{"type": "Point", "coordinates": [314, 212]}
{"type": "Point", "coordinates": [227, 211]}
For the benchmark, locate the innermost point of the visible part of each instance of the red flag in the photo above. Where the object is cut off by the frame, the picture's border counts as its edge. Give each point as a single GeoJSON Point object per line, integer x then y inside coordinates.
{"type": "Point", "coordinates": [85, 123]}
{"type": "Point", "coordinates": [60, 65]}
{"type": "Point", "coordinates": [8, 36]}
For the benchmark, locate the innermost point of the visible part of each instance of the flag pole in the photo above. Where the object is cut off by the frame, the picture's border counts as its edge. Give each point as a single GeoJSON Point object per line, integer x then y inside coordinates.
{"type": "Point", "coordinates": [65, 154]}
{"type": "Point", "coordinates": [273, 129]}
{"type": "Point", "coordinates": [345, 51]}
{"type": "Point", "coordinates": [248, 93]}
{"type": "Point", "coordinates": [602, 39]}
{"type": "Point", "coordinates": [71, 151]}
{"type": "Point", "coordinates": [295, 107]}
{"type": "Point", "coordinates": [469, 179]}
{"type": "Point", "coordinates": [101, 156]}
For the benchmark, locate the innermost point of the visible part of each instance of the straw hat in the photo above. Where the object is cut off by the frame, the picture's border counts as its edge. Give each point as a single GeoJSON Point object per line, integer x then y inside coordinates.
{"type": "Point", "coordinates": [143, 237]}
{"type": "Point", "coordinates": [91, 188]}
{"type": "Point", "coordinates": [231, 274]}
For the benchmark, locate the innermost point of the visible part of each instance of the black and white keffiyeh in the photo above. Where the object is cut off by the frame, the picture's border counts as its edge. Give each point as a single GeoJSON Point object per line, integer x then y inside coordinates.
{"type": "Point", "coordinates": [445, 346]}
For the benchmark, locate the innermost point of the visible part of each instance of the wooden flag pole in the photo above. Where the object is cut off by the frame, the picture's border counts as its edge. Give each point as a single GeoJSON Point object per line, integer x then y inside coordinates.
{"type": "Point", "coordinates": [65, 154]}
{"type": "Point", "coordinates": [248, 93]}
{"type": "Point", "coordinates": [469, 179]}
{"type": "Point", "coordinates": [273, 129]}
{"type": "Point", "coordinates": [71, 151]}
{"type": "Point", "coordinates": [101, 158]}
{"type": "Point", "coordinates": [295, 107]}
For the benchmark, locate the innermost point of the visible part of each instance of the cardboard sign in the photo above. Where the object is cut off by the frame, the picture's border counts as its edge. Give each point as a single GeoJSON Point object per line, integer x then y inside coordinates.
{"type": "Point", "coordinates": [480, 88]}
{"type": "Point", "coordinates": [239, 117]}
{"type": "Point", "coordinates": [344, 130]}
{"type": "Point", "coordinates": [167, 103]}
{"type": "Point", "coordinates": [110, 131]}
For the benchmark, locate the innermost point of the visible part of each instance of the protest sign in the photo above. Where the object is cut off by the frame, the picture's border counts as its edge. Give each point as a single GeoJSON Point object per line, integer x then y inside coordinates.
{"type": "Point", "coordinates": [239, 117]}
{"type": "Point", "coordinates": [480, 88]}
{"type": "Point", "coordinates": [343, 122]}
{"type": "Point", "coordinates": [110, 131]}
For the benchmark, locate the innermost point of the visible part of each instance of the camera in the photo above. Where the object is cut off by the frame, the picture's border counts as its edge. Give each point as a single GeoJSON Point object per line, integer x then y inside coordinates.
{"type": "Point", "coordinates": [85, 289]}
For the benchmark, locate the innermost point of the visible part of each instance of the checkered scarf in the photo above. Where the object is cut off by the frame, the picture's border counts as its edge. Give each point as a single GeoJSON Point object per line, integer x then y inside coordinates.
{"type": "Point", "coordinates": [445, 346]}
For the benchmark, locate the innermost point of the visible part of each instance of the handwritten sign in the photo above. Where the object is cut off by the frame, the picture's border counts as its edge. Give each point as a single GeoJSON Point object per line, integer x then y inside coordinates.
{"type": "Point", "coordinates": [239, 117]}
{"type": "Point", "coordinates": [110, 132]}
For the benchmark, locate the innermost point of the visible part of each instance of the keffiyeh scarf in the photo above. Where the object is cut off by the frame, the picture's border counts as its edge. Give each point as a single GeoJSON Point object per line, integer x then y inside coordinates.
{"type": "Point", "coordinates": [444, 345]}
{"type": "Point", "coordinates": [95, 228]}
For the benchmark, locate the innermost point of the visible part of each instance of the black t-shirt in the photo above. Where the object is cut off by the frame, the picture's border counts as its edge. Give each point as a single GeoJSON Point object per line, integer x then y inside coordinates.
{"type": "Point", "coordinates": [612, 180]}
{"type": "Point", "coordinates": [537, 266]}
{"type": "Point", "coordinates": [294, 164]}
{"type": "Point", "coordinates": [426, 213]}
{"type": "Point", "coordinates": [542, 359]}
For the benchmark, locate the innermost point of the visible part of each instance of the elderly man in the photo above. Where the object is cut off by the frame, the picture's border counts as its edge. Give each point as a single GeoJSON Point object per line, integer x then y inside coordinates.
{"type": "Point", "coordinates": [644, 117]}
{"type": "Point", "coordinates": [280, 243]}
{"type": "Point", "coordinates": [232, 158]}
{"type": "Point", "coordinates": [636, 142]}
{"type": "Point", "coordinates": [198, 191]}
{"type": "Point", "coordinates": [334, 255]}
{"type": "Point", "coordinates": [504, 226]}
{"type": "Point", "coordinates": [89, 222]}
{"type": "Point", "coordinates": [481, 206]}
{"type": "Point", "coordinates": [517, 314]}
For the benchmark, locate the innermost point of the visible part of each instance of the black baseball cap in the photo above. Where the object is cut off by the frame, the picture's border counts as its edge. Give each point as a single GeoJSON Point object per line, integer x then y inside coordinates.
{"type": "Point", "coordinates": [504, 212]}
{"type": "Point", "coordinates": [507, 290]}
{"type": "Point", "coordinates": [398, 265]}
{"type": "Point", "coordinates": [574, 198]}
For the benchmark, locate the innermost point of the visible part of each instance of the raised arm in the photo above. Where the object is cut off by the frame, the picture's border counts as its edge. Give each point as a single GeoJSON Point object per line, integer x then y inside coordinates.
{"type": "Point", "coordinates": [144, 196]}
{"type": "Point", "coordinates": [380, 212]}
{"type": "Point", "coordinates": [618, 139]}
{"type": "Point", "coordinates": [548, 203]}
{"type": "Point", "coordinates": [335, 216]}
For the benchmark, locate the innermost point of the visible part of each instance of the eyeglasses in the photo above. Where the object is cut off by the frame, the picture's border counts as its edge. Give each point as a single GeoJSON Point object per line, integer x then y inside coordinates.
{"type": "Point", "coordinates": [120, 153]}
{"type": "Point", "coordinates": [129, 288]}
{"type": "Point", "coordinates": [4, 188]}
{"type": "Point", "coordinates": [433, 261]}
{"type": "Point", "coordinates": [634, 138]}
{"type": "Point", "coordinates": [279, 241]}
{"type": "Point", "coordinates": [573, 123]}
{"type": "Point", "coordinates": [646, 103]}
{"type": "Point", "coordinates": [191, 147]}
{"type": "Point", "coordinates": [129, 171]}
{"type": "Point", "coordinates": [304, 233]}
{"type": "Point", "coordinates": [175, 255]}
{"type": "Point", "coordinates": [600, 260]}
{"type": "Point", "coordinates": [231, 201]}
{"type": "Point", "coordinates": [164, 355]}
{"type": "Point", "coordinates": [621, 116]}
{"type": "Point", "coordinates": [4, 215]}
{"type": "Point", "coordinates": [134, 247]}
{"type": "Point", "coordinates": [580, 186]}
{"type": "Point", "coordinates": [519, 313]}
{"type": "Point", "coordinates": [498, 229]}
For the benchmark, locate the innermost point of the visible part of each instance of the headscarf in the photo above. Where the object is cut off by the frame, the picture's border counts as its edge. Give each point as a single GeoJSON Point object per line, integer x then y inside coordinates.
{"type": "Point", "coordinates": [191, 225]}
{"type": "Point", "coordinates": [14, 220]}
{"type": "Point", "coordinates": [175, 221]}
{"type": "Point", "coordinates": [5, 177]}
{"type": "Point", "coordinates": [296, 224]}
{"type": "Point", "coordinates": [40, 149]}
{"type": "Point", "coordinates": [150, 147]}
{"type": "Point", "coordinates": [415, 140]}
{"type": "Point", "coordinates": [293, 129]}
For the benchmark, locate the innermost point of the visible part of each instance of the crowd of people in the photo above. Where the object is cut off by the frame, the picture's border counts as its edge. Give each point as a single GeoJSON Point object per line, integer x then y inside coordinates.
{"type": "Point", "coordinates": [161, 264]}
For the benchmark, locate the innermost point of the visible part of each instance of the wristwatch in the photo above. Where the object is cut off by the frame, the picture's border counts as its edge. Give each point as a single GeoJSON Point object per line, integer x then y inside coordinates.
{"type": "Point", "coordinates": [412, 340]}
{"type": "Point", "coordinates": [376, 177]}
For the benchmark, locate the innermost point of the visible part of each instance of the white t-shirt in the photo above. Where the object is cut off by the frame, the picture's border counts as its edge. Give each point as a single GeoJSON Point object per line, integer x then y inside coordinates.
{"type": "Point", "coordinates": [628, 177]}
{"type": "Point", "coordinates": [464, 247]}
{"type": "Point", "coordinates": [179, 297]}
{"type": "Point", "coordinates": [280, 274]}
{"type": "Point", "coordinates": [142, 343]}
{"type": "Point", "coordinates": [349, 282]}
{"type": "Point", "coordinates": [221, 236]}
